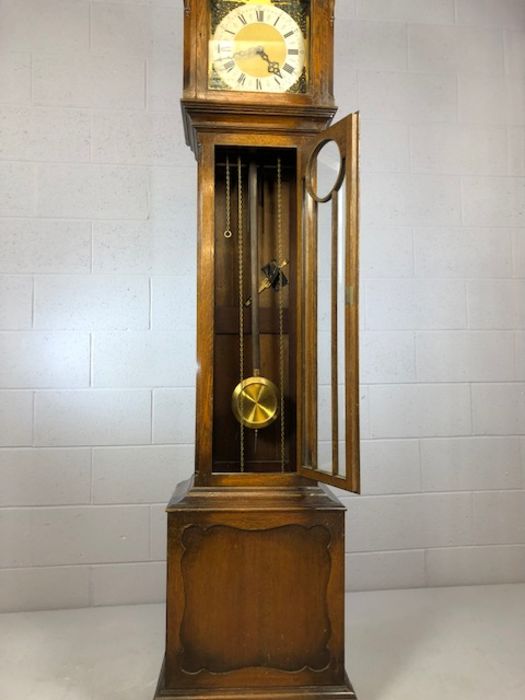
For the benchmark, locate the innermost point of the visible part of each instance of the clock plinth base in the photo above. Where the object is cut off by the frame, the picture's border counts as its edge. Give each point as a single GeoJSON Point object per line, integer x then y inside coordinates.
{"type": "Point", "coordinates": [255, 600]}
{"type": "Point", "coordinates": [344, 692]}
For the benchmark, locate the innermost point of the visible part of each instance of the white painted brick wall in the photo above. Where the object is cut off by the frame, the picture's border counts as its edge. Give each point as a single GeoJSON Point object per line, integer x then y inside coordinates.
{"type": "Point", "coordinates": [88, 79]}
{"type": "Point", "coordinates": [16, 418]}
{"type": "Point", "coordinates": [45, 477]}
{"type": "Point", "coordinates": [35, 246]}
{"type": "Point", "coordinates": [92, 417]}
{"type": "Point", "coordinates": [15, 77]}
{"type": "Point", "coordinates": [37, 360]}
{"type": "Point", "coordinates": [94, 302]}
{"type": "Point", "coordinates": [16, 294]}
{"type": "Point", "coordinates": [97, 294]}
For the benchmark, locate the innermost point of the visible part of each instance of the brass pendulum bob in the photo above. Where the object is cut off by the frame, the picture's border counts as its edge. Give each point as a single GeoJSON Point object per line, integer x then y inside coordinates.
{"type": "Point", "coordinates": [255, 400]}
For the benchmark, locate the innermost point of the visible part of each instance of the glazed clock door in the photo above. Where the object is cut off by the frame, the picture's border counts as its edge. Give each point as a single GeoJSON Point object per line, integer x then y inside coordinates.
{"type": "Point", "coordinates": [330, 364]}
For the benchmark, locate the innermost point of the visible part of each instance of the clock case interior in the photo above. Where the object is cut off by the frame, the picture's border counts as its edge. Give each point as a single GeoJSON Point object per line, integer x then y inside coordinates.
{"type": "Point", "coordinates": [265, 450]}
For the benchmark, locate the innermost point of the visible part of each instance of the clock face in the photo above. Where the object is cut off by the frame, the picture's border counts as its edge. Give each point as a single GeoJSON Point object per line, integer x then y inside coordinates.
{"type": "Point", "coordinates": [258, 48]}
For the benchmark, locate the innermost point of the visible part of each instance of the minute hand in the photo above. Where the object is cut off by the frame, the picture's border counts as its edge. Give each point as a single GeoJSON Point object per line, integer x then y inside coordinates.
{"type": "Point", "coordinates": [273, 66]}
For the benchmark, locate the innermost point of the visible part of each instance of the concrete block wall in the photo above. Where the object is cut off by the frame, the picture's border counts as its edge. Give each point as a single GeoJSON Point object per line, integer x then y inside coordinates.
{"type": "Point", "coordinates": [97, 298]}
{"type": "Point", "coordinates": [97, 294]}
{"type": "Point", "coordinates": [441, 89]}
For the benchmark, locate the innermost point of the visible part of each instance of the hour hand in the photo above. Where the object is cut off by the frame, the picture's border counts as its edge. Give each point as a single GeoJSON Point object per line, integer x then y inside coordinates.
{"type": "Point", "coordinates": [273, 66]}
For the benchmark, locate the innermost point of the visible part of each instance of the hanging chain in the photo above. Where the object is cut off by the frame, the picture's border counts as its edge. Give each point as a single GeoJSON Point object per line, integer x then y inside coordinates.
{"type": "Point", "coordinates": [241, 297]}
{"type": "Point", "coordinates": [280, 258]}
{"type": "Point", "coordinates": [228, 229]}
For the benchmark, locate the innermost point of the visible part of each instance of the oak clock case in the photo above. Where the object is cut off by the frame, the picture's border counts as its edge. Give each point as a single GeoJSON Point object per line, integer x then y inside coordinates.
{"type": "Point", "coordinates": [255, 560]}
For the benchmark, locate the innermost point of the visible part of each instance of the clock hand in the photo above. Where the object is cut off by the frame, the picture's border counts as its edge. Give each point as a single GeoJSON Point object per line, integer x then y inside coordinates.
{"type": "Point", "coordinates": [254, 50]}
{"type": "Point", "coordinates": [244, 53]}
{"type": "Point", "coordinates": [273, 66]}
{"type": "Point", "coordinates": [274, 69]}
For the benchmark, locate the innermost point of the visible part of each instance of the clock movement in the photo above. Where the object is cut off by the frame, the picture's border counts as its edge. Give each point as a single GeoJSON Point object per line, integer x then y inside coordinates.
{"type": "Point", "coordinates": [255, 560]}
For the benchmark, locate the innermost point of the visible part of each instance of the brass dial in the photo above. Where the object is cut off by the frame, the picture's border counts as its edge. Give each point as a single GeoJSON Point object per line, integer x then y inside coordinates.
{"type": "Point", "coordinates": [258, 48]}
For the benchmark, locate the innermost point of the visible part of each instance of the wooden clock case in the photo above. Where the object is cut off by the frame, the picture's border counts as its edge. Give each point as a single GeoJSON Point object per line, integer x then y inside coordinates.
{"type": "Point", "coordinates": [255, 560]}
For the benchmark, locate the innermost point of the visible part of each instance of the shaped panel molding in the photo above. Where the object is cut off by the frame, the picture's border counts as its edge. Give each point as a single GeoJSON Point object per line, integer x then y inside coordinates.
{"type": "Point", "coordinates": [255, 598]}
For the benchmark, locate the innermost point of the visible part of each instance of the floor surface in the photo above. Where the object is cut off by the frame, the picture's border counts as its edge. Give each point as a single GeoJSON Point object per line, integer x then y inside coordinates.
{"type": "Point", "coordinates": [425, 644]}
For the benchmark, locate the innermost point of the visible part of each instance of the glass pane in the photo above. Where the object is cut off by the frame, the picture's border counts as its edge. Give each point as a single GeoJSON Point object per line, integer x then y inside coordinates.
{"type": "Point", "coordinates": [330, 312]}
{"type": "Point", "coordinates": [341, 327]}
{"type": "Point", "coordinates": [329, 163]}
{"type": "Point", "coordinates": [331, 382]}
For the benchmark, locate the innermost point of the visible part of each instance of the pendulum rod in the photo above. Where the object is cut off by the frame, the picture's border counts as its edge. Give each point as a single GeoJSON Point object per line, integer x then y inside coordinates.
{"type": "Point", "coordinates": [254, 265]}
{"type": "Point", "coordinates": [255, 400]}
{"type": "Point", "coordinates": [241, 296]}
{"type": "Point", "coordinates": [281, 308]}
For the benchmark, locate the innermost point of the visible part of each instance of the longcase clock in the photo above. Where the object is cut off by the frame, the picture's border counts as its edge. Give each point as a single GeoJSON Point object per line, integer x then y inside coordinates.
{"type": "Point", "coordinates": [255, 593]}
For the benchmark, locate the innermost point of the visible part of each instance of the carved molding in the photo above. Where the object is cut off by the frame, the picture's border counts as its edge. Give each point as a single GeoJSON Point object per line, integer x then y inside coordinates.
{"type": "Point", "coordinates": [294, 626]}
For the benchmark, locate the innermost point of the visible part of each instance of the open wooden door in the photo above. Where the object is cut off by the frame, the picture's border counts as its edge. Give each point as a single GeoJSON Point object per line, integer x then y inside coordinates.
{"type": "Point", "coordinates": [330, 304]}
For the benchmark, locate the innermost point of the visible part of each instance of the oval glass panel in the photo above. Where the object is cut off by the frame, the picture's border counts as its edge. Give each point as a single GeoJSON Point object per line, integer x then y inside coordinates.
{"type": "Point", "coordinates": [325, 171]}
